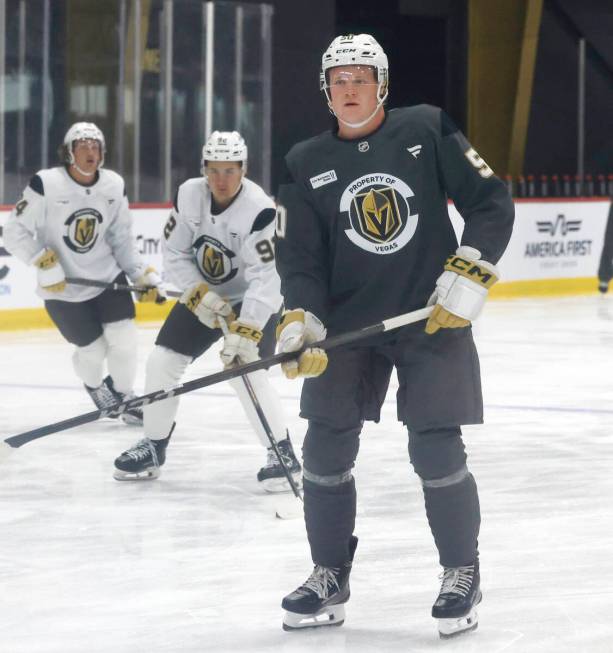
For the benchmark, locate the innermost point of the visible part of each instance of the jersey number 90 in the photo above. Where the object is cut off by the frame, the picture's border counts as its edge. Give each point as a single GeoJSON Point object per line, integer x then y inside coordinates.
{"type": "Point", "coordinates": [266, 251]}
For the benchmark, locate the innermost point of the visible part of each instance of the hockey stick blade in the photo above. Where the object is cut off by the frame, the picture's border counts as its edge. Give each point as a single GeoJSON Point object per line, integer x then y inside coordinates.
{"type": "Point", "coordinates": [16, 441]}
{"type": "Point", "coordinates": [289, 507]}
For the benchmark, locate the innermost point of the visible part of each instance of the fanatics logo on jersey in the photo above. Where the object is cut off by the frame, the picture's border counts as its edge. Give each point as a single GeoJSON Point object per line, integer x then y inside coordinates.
{"type": "Point", "coordinates": [324, 178]}
{"type": "Point", "coordinates": [363, 146]}
{"type": "Point", "coordinates": [379, 213]}
{"type": "Point", "coordinates": [214, 260]}
{"type": "Point", "coordinates": [82, 230]}
{"type": "Point", "coordinates": [415, 150]}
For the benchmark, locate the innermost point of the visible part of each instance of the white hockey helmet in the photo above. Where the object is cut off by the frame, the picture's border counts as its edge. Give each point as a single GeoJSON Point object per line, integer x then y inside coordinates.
{"type": "Point", "coordinates": [224, 146]}
{"type": "Point", "coordinates": [80, 131]}
{"type": "Point", "coordinates": [355, 50]}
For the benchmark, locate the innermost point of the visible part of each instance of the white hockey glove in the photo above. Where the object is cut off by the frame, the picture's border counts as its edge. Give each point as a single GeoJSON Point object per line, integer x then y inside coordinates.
{"type": "Point", "coordinates": [296, 329]}
{"type": "Point", "coordinates": [461, 290]}
{"type": "Point", "coordinates": [51, 275]}
{"type": "Point", "coordinates": [240, 344]}
{"type": "Point", "coordinates": [155, 293]}
{"type": "Point", "coordinates": [207, 306]}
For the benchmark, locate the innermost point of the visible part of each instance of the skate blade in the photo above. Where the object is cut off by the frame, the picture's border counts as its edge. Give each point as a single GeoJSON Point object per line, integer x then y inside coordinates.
{"type": "Point", "coordinates": [147, 475]}
{"type": "Point", "coordinates": [131, 420]}
{"type": "Point", "coordinates": [448, 628]}
{"type": "Point", "coordinates": [279, 485]}
{"type": "Point", "coordinates": [333, 615]}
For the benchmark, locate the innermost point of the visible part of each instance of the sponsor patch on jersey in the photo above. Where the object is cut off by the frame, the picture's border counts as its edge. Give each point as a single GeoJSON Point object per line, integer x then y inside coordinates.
{"type": "Point", "coordinates": [215, 261]}
{"type": "Point", "coordinates": [323, 178]}
{"type": "Point", "coordinates": [82, 230]}
{"type": "Point", "coordinates": [379, 213]}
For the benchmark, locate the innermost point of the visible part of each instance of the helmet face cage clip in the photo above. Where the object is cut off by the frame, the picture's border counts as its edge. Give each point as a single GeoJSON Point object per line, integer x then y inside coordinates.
{"type": "Point", "coordinates": [82, 131]}
{"type": "Point", "coordinates": [224, 146]}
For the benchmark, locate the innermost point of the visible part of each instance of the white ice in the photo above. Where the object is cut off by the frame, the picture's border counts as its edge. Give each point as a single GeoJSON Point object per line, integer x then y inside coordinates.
{"type": "Point", "coordinates": [196, 561]}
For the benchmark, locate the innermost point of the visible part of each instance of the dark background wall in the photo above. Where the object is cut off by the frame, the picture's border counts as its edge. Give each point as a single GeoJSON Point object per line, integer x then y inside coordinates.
{"type": "Point", "coordinates": [426, 42]}
{"type": "Point", "coordinates": [552, 135]}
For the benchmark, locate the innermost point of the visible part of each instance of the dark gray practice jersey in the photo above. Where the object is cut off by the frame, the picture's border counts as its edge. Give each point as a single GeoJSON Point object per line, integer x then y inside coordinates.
{"type": "Point", "coordinates": [363, 229]}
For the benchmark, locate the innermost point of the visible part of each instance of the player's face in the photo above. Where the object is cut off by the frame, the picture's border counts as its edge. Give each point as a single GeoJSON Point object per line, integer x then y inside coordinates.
{"type": "Point", "coordinates": [224, 179]}
{"type": "Point", "coordinates": [353, 92]}
{"type": "Point", "coordinates": [87, 155]}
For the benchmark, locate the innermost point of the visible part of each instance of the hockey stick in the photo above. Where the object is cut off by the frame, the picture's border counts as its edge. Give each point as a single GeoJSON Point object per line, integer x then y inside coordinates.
{"type": "Point", "coordinates": [266, 426]}
{"type": "Point", "coordinates": [79, 281]}
{"type": "Point", "coordinates": [16, 441]}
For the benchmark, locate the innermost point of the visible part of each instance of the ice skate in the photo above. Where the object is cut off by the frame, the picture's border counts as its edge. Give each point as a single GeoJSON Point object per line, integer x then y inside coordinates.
{"type": "Point", "coordinates": [141, 462]}
{"type": "Point", "coordinates": [455, 607]}
{"type": "Point", "coordinates": [319, 601]}
{"type": "Point", "coordinates": [272, 477]}
{"type": "Point", "coordinates": [105, 396]}
{"type": "Point", "coordinates": [132, 416]}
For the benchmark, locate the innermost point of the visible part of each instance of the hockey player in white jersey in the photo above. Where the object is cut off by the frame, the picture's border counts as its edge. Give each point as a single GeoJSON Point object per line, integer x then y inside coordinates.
{"type": "Point", "coordinates": [74, 221]}
{"type": "Point", "coordinates": [218, 248]}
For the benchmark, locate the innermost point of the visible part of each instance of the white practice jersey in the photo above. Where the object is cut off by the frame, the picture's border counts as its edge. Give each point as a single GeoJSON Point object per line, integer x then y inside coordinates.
{"type": "Point", "coordinates": [232, 251]}
{"type": "Point", "coordinates": [88, 227]}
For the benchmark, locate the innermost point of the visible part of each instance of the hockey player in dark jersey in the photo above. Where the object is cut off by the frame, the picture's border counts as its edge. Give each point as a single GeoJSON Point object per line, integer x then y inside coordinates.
{"type": "Point", "coordinates": [363, 234]}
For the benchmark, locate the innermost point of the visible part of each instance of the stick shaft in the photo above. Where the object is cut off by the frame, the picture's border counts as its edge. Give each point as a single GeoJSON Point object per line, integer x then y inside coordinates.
{"type": "Point", "coordinates": [111, 285]}
{"type": "Point", "coordinates": [405, 319]}
{"type": "Point", "coordinates": [265, 424]}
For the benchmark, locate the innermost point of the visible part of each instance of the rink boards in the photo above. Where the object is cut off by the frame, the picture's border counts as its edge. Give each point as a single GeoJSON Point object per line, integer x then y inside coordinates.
{"type": "Point", "coordinates": [554, 250]}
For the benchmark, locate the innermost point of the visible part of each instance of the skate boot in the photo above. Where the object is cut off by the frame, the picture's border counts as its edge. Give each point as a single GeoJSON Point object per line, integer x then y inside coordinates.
{"type": "Point", "coordinates": [132, 416]}
{"type": "Point", "coordinates": [143, 461]}
{"type": "Point", "coordinates": [319, 601]}
{"type": "Point", "coordinates": [272, 477]}
{"type": "Point", "coordinates": [455, 607]}
{"type": "Point", "coordinates": [105, 396]}
{"type": "Point", "coordinates": [603, 286]}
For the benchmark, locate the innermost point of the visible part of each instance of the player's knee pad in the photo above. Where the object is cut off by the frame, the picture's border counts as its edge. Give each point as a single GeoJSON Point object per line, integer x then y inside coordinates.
{"type": "Point", "coordinates": [268, 400]}
{"type": "Point", "coordinates": [164, 368]}
{"type": "Point", "coordinates": [438, 455]}
{"type": "Point", "coordinates": [327, 450]}
{"type": "Point", "coordinates": [121, 335]}
{"type": "Point", "coordinates": [88, 362]}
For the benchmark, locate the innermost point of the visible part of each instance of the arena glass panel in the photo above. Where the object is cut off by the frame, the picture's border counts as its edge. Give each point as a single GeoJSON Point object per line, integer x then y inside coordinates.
{"type": "Point", "coordinates": [146, 72]}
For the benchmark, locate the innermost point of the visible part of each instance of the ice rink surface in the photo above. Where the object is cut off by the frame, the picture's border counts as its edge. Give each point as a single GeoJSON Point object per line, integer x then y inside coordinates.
{"type": "Point", "coordinates": [196, 561]}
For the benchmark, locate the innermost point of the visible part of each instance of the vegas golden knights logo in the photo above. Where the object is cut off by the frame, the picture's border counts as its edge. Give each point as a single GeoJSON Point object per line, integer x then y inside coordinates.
{"type": "Point", "coordinates": [378, 214]}
{"type": "Point", "coordinates": [212, 262]}
{"type": "Point", "coordinates": [84, 230]}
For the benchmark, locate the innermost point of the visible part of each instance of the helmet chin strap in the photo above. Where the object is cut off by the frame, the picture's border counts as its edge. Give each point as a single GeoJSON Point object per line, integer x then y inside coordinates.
{"type": "Point", "coordinates": [85, 174]}
{"type": "Point", "coordinates": [357, 125]}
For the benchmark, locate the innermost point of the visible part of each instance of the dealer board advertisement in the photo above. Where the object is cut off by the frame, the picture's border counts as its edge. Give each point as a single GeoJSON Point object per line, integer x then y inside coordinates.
{"type": "Point", "coordinates": [551, 240]}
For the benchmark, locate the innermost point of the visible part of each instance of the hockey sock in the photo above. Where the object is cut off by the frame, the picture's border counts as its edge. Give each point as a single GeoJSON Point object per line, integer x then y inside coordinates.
{"type": "Point", "coordinates": [329, 515]}
{"type": "Point", "coordinates": [164, 369]}
{"type": "Point", "coordinates": [269, 401]}
{"type": "Point", "coordinates": [121, 354]}
{"type": "Point", "coordinates": [454, 517]}
{"type": "Point", "coordinates": [88, 362]}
